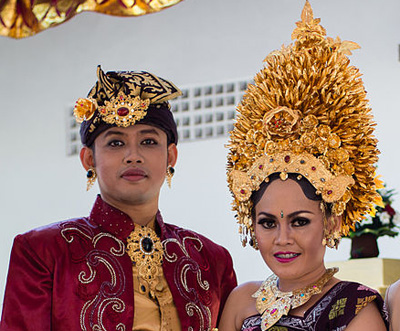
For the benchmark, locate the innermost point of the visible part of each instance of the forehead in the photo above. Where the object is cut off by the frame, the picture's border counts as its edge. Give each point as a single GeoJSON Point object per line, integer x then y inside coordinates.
{"type": "Point", "coordinates": [134, 130]}
{"type": "Point", "coordinates": [285, 194]}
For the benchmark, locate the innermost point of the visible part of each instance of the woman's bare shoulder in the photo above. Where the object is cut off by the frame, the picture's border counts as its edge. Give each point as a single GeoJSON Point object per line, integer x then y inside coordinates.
{"type": "Point", "coordinates": [239, 306]}
{"type": "Point", "coordinates": [248, 287]}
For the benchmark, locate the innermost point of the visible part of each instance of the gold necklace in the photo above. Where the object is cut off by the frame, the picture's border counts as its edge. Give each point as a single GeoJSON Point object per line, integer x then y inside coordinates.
{"type": "Point", "coordinates": [273, 303]}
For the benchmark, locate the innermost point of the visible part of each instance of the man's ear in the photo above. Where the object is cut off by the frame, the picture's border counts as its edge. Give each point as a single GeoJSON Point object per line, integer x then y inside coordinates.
{"type": "Point", "coordinates": [87, 157]}
{"type": "Point", "coordinates": [172, 155]}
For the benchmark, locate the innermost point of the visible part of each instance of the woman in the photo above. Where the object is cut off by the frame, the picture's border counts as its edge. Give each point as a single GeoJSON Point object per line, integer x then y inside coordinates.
{"type": "Point", "coordinates": [301, 171]}
{"type": "Point", "coordinates": [392, 300]}
{"type": "Point", "coordinates": [121, 268]}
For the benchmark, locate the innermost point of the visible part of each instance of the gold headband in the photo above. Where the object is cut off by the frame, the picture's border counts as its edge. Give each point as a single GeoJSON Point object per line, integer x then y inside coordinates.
{"type": "Point", "coordinates": [306, 113]}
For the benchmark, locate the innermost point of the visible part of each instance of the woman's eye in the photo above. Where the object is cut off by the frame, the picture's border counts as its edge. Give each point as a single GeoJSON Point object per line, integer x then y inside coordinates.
{"type": "Point", "coordinates": [116, 143]}
{"type": "Point", "coordinates": [149, 141]}
{"type": "Point", "coordinates": [299, 221]}
{"type": "Point", "coordinates": [266, 223]}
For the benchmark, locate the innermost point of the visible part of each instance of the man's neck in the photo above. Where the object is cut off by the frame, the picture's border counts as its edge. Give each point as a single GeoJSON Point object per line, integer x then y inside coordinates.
{"type": "Point", "coordinates": [140, 214]}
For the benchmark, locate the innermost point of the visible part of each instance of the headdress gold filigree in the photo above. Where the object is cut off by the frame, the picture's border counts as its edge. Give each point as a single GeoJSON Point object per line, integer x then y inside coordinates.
{"type": "Point", "coordinates": [306, 113]}
{"type": "Point", "coordinates": [124, 110]}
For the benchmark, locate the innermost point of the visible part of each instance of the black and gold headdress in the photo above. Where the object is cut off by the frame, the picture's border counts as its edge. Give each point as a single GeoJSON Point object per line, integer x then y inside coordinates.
{"type": "Point", "coordinates": [306, 113]}
{"type": "Point", "coordinates": [125, 98]}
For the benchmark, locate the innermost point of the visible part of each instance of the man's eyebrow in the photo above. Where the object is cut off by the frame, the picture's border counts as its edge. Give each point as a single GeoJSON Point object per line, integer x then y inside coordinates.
{"type": "Point", "coordinates": [113, 132]}
{"type": "Point", "coordinates": [147, 131]}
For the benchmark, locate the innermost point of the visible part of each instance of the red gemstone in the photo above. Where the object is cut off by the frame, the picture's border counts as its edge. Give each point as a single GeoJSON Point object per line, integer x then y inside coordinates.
{"type": "Point", "coordinates": [260, 166]}
{"type": "Point", "coordinates": [242, 191]}
{"type": "Point", "coordinates": [123, 111]}
{"type": "Point", "coordinates": [287, 158]}
{"type": "Point", "coordinates": [329, 192]}
{"type": "Point", "coordinates": [313, 168]}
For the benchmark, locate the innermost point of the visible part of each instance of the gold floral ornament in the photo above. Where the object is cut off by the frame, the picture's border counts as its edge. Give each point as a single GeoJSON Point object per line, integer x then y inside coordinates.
{"type": "Point", "coordinates": [124, 110]}
{"type": "Point", "coordinates": [146, 252]}
{"type": "Point", "coordinates": [306, 113]}
{"type": "Point", "coordinates": [281, 121]}
{"type": "Point", "coordinates": [84, 109]}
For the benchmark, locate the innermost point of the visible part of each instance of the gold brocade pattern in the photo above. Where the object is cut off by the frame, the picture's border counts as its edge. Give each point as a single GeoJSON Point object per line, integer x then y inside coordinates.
{"type": "Point", "coordinates": [23, 18]}
{"type": "Point", "coordinates": [363, 302]}
{"type": "Point", "coordinates": [272, 304]}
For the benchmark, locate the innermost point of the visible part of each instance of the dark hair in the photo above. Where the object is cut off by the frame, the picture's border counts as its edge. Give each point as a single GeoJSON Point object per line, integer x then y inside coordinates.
{"type": "Point", "coordinates": [307, 188]}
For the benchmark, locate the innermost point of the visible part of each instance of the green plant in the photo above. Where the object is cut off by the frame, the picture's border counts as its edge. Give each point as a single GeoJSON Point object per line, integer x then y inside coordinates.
{"type": "Point", "coordinates": [384, 223]}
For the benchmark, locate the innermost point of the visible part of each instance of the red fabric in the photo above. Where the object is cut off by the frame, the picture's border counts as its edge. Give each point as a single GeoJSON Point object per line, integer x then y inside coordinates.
{"type": "Point", "coordinates": [75, 275]}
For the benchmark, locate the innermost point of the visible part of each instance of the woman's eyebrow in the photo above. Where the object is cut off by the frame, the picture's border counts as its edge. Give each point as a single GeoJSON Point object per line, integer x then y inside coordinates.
{"type": "Point", "coordinates": [262, 213]}
{"type": "Point", "coordinates": [300, 212]}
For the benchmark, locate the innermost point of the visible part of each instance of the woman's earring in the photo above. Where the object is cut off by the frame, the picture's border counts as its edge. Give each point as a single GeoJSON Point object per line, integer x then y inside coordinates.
{"type": "Point", "coordinates": [253, 242]}
{"type": "Point", "coordinates": [332, 240]}
{"type": "Point", "coordinates": [91, 176]}
{"type": "Point", "coordinates": [170, 174]}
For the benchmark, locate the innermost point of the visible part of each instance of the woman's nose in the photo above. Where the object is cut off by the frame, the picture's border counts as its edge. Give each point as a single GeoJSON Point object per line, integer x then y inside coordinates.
{"type": "Point", "coordinates": [283, 236]}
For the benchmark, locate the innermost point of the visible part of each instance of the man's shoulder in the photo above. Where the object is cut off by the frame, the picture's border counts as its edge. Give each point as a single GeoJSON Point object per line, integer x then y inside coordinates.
{"type": "Point", "coordinates": [52, 231]}
{"type": "Point", "coordinates": [185, 235]}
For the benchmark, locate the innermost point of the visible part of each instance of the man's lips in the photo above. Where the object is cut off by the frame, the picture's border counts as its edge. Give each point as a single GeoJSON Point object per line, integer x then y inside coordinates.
{"type": "Point", "coordinates": [133, 174]}
{"type": "Point", "coordinates": [286, 257]}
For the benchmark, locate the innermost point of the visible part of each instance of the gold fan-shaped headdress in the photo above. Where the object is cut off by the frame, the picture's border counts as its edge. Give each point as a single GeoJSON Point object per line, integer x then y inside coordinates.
{"type": "Point", "coordinates": [306, 113]}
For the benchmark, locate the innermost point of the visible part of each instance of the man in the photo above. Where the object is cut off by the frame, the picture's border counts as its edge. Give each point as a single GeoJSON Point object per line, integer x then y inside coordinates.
{"type": "Point", "coordinates": [121, 268]}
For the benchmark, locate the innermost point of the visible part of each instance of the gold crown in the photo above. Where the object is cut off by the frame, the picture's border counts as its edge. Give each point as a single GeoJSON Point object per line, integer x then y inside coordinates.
{"type": "Point", "coordinates": [306, 113]}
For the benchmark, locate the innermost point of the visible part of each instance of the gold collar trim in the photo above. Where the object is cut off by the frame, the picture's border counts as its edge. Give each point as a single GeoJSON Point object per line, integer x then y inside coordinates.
{"type": "Point", "coordinates": [272, 303]}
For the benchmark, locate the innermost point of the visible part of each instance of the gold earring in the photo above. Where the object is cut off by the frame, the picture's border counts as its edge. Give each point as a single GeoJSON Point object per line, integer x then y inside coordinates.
{"type": "Point", "coordinates": [253, 242]}
{"type": "Point", "coordinates": [170, 174]}
{"type": "Point", "coordinates": [91, 176]}
{"type": "Point", "coordinates": [332, 239]}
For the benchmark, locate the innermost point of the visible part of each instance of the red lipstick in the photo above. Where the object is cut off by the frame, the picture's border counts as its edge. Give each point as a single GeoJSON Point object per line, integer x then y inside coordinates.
{"type": "Point", "coordinates": [286, 257]}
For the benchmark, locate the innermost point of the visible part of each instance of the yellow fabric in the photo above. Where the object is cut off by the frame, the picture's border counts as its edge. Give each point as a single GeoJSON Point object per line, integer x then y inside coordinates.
{"type": "Point", "coordinates": [151, 313]}
{"type": "Point", "coordinates": [24, 18]}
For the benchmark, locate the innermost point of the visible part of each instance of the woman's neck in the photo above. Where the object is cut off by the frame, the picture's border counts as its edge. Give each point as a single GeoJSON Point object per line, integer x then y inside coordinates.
{"type": "Point", "coordinates": [287, 285]}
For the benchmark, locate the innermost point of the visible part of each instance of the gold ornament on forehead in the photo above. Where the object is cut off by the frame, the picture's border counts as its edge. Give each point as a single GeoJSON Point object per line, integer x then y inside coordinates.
{"type": "Point", "coordinates": [306, 114]}
{"type": "Point", "coordinates": [124, 110]}
{"type": "Point", "coordinates": [146, 252]}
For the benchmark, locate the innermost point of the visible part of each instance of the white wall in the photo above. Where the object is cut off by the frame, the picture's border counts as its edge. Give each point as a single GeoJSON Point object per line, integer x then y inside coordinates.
{"type": "Point", "coordinates": [194, 42]}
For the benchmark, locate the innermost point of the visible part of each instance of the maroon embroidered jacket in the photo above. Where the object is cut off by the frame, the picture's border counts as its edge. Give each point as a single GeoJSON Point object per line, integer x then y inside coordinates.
{"type": "Point", "coordinates": [76, 275]}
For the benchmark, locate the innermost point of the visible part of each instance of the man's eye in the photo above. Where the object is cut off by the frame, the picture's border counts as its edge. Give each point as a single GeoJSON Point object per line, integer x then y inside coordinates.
{"type": "Point", "coordinates": [300, 221]}
{"type": "Point", "coordinates": [115, 143]}
{"type": "Point", "coordinates": [266, 223]}
{"type": "Point", "coordinates": [149, 141]}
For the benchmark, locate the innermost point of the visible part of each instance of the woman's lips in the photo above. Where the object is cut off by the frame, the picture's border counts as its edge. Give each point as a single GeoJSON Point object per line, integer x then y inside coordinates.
{"type": "Point", "coordinates": [286, 257]}
{"type": "Point", "coordinates": [133, 175]}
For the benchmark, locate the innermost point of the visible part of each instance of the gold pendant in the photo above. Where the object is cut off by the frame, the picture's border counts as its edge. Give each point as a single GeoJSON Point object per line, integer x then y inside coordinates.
{"type": "Point", "coordinates": [146, 252]}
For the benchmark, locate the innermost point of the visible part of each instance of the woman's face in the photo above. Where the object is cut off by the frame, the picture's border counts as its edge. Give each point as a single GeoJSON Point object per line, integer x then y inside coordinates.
{"type": "Point", "coordinates": [289, 230]}
{"type": "Point", "coordinates": [131, 164]}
